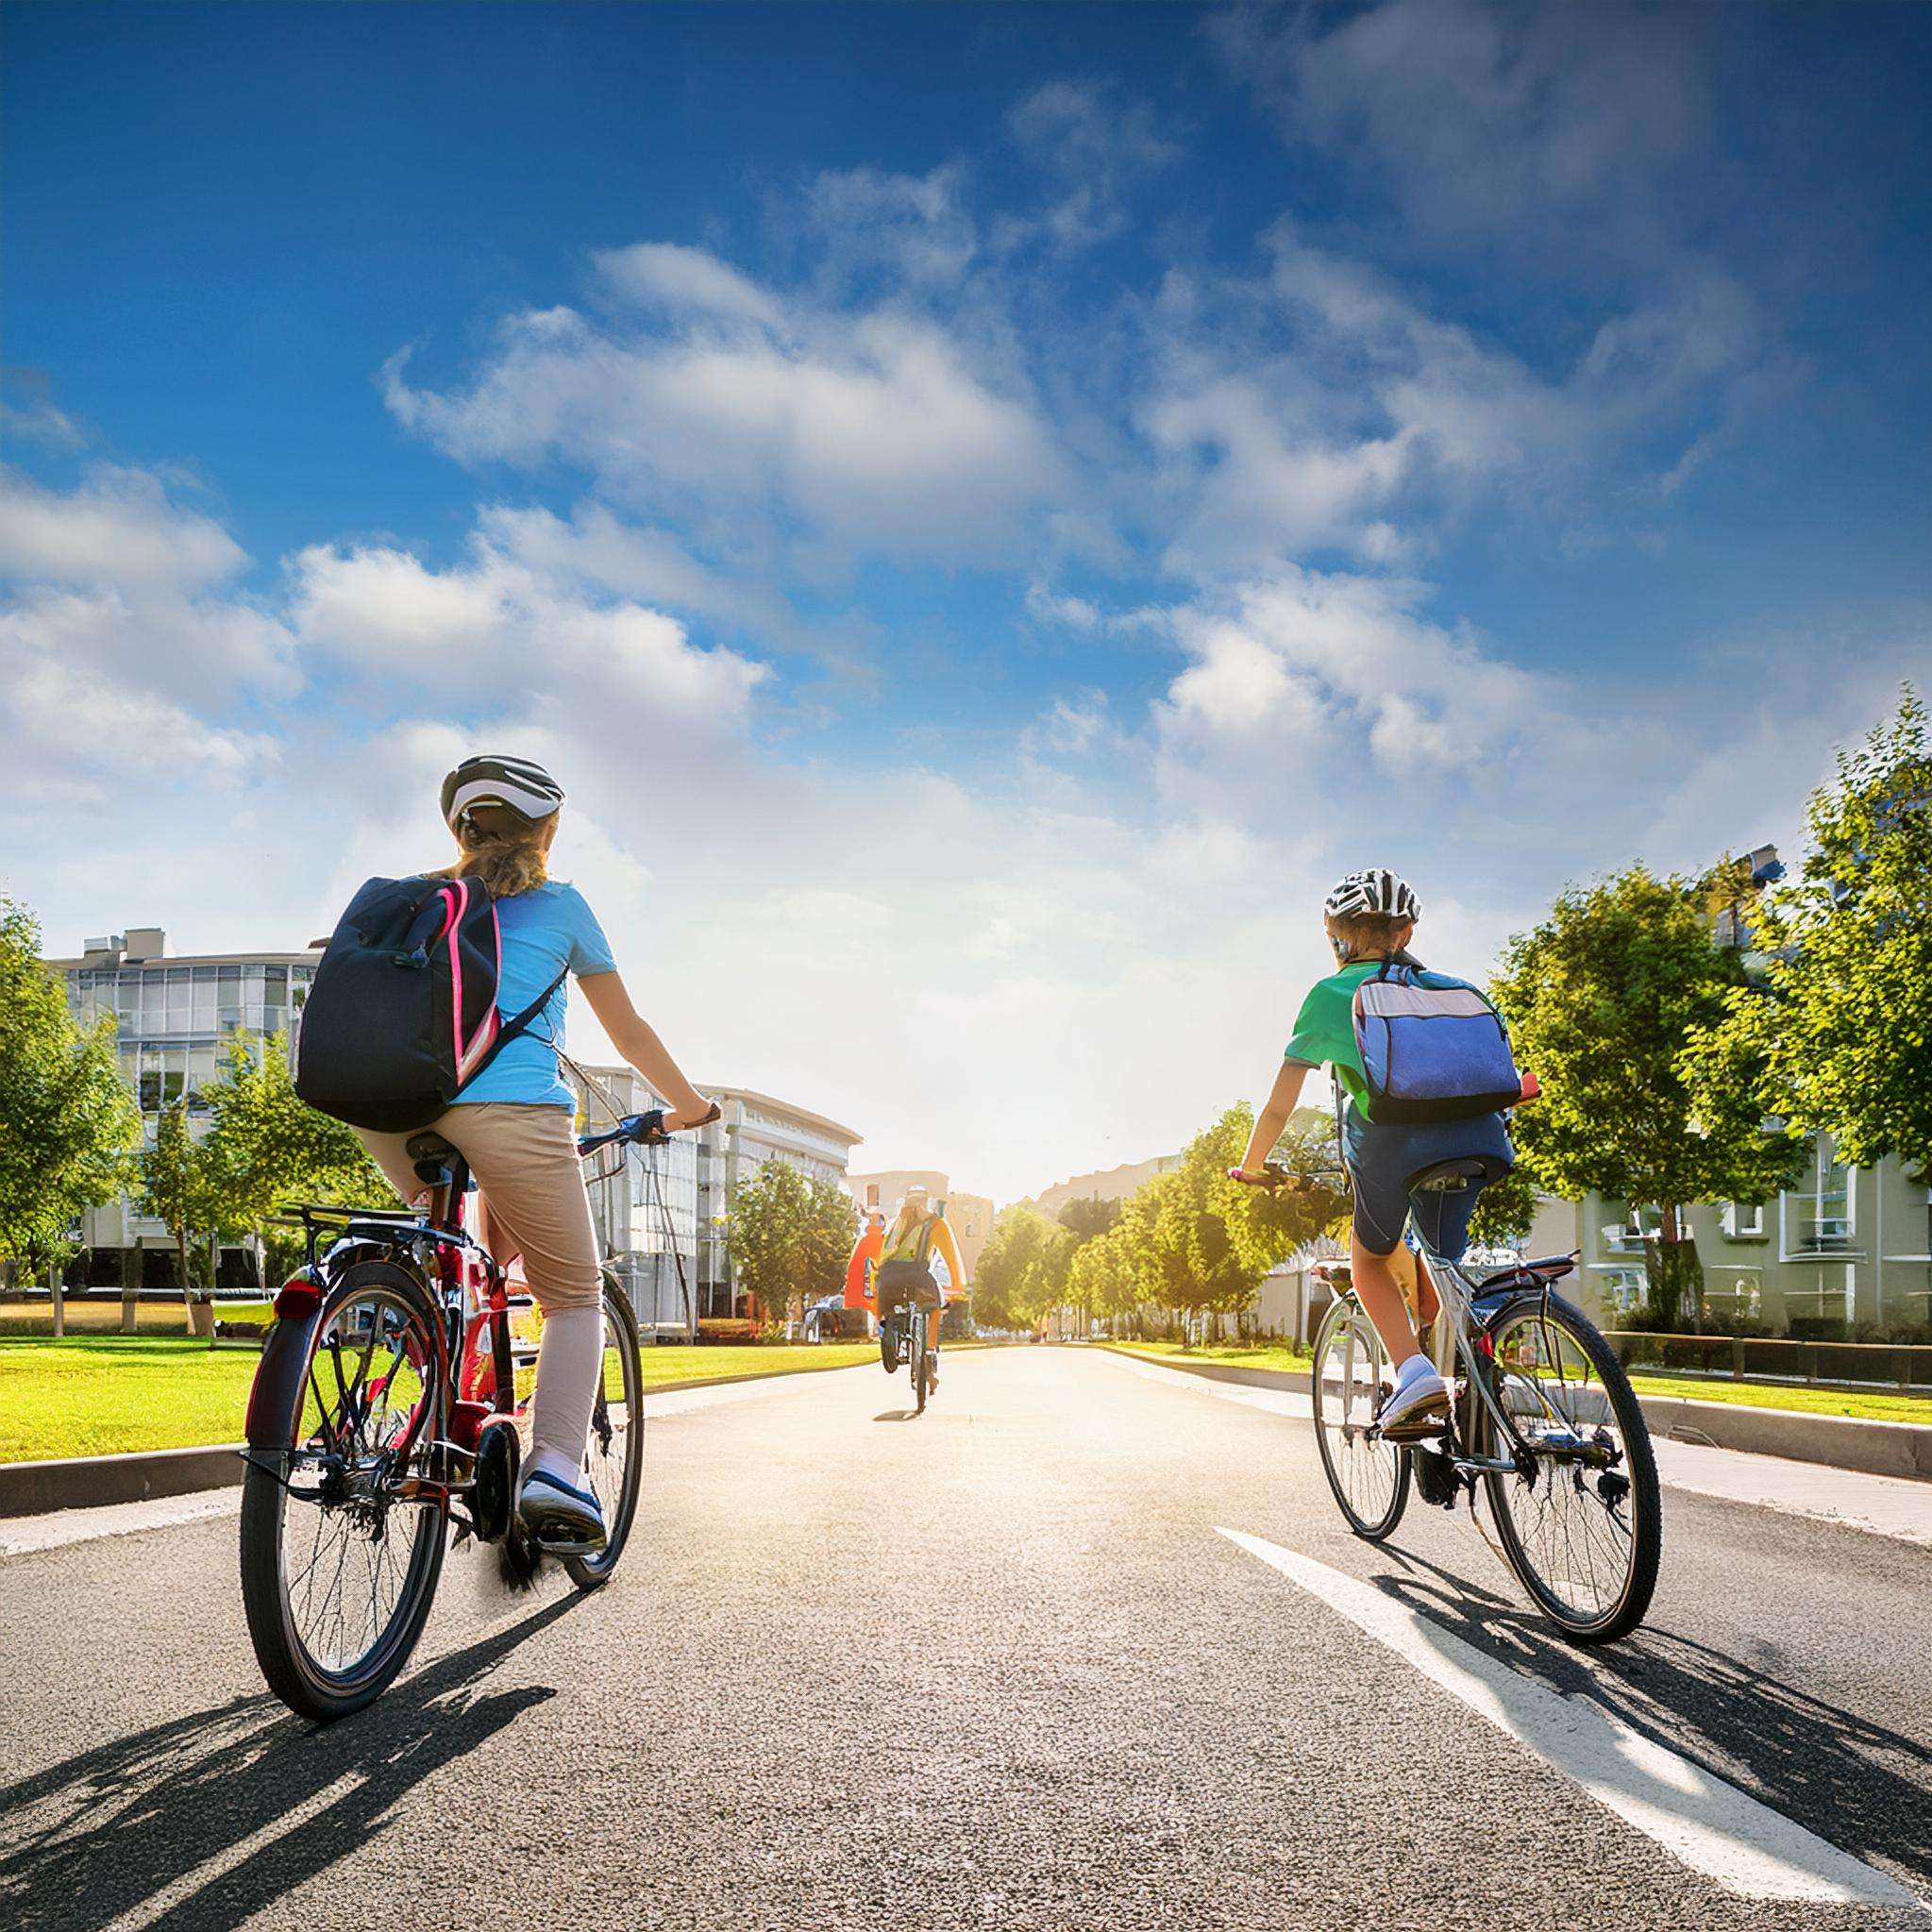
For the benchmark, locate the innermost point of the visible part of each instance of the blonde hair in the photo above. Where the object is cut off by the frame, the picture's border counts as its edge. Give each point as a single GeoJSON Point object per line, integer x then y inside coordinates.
{"type": "Point", "coordinates": [1371, 932]}
{"type": "Point", "coordinates": [509, 852]}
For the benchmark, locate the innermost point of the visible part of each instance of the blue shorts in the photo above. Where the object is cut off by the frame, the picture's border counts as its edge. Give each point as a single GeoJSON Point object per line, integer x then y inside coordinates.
{"type": "Point", "coordinates": [1381, 1160]}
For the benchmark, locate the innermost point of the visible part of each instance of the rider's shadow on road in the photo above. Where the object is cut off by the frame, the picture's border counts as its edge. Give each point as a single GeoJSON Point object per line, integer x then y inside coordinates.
{"type": "Point", "coordinates": [157, 1819]}
{"type": "Point", "coordinates": [1859, 1786]}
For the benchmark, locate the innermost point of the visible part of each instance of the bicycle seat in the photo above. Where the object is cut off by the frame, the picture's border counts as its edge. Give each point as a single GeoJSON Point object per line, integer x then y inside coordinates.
{"type": "Point", "coordinates": [433, 1158]}
{"type": "Point", "coordinates": [1451, 1177]}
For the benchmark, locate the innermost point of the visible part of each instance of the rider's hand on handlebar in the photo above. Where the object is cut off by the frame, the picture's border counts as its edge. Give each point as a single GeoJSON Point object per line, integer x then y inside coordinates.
{"type": "Point", "coordinates": [1252, 1177]}
{"type": "Point", "coordinates": [678, 1123]}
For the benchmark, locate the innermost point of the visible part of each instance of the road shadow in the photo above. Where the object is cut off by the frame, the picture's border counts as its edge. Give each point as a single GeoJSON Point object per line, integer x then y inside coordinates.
{"type": "Point", "coordinates": [1860, 1786]}
{"type": "Point", "coordinates": [147, 1815]}
{"type": "Point", "coordinates": [896, 1416]}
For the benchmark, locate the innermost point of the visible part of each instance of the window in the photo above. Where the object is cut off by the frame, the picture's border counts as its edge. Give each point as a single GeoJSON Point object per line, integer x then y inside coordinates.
{"type": "Point", "coordinates": [1818, 1215]}
{"type": "Point", "coordinates": [1736, 1292]}
{"type": "Point", "coordinates": [1621, 1289]}
{"type": "Point", "coordinates": [1744, 1220]}
{"type": "Point", "coordinates": [180, 999]}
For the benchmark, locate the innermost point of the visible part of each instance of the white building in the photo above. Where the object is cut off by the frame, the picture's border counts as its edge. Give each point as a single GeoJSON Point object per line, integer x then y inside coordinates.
{"type": "Point", "coordinates": [176, 1017]}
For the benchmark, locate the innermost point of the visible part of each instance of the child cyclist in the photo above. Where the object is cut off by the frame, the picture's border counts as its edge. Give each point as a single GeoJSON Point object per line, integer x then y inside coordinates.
{"type": "Point", "coordinates": [1371, 917]}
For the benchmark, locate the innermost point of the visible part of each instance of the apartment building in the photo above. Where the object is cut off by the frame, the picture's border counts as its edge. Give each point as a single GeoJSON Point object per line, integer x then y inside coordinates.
{"type": "Point", "coordinates": [175, 1017]}
{"type": "Point", "coordinates": [756, 1128]}
{"type": "Point", "coordinates": [1845, 1250]}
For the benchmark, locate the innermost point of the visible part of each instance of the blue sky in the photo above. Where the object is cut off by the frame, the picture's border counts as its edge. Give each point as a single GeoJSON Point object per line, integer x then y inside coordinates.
{"type": "Point", "coordinates": [987, 509]}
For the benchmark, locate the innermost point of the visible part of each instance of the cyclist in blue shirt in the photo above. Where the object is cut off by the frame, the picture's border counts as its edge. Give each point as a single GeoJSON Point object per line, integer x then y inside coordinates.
{"type": "Point", "coordinates": [515, 1122]}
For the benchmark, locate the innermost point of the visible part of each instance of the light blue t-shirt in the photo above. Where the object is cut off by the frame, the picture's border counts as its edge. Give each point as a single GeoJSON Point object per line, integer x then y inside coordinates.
{"type": "Point", "coordinates": [545, 930]}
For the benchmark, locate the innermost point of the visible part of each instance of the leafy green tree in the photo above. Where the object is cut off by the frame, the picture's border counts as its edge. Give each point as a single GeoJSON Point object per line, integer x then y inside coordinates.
{"type": "Point", "coordinates": [1089, 1215]}
{"type": "Point", "coordinates": [790, 1238]}
{"type": "Point", "coordinates": [1602, 1000]}
{"type": "Point", "coordinates": [178, 1188]}
{"type": "Point", "coordinates": [67, 1121]}
{"type": "Point", "coordinates": [1020, 1266]}
{"type": "Point", "coordinates": [266, 1148]}
{"type": "Point", "coordinates": [1836, 1035]}
{"type": "Point", "coordinates": [1504, 1210]}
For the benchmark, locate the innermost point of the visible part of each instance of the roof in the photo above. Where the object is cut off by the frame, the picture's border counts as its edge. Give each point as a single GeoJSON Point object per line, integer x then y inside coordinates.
{"type": "Point", "coordinates": [100, 963]}
{"type": "Point", "coordinates": [752, 1098]}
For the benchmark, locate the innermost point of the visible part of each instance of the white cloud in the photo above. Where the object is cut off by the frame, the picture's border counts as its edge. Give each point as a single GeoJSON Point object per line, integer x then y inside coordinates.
{"type": "Point", "coordinates": [1094, 144]}
{"type": "Point", "coordinates": [663, 274]}
{"type": "Point", "coordinates": [119, 527]}
{"type": "Point", "coordinates": [872, 430]}
{"type": "Point", "coordinates": [914, 227]}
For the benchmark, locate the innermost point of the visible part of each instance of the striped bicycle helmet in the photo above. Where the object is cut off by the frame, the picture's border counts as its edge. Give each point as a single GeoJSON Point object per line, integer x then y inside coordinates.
{"type": "Point", "coordinates": [1381, 891]}
{"type": "Point", "coordinates": [519, 783]}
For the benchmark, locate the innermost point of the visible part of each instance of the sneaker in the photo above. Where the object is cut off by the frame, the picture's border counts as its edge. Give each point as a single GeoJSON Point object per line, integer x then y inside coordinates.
{"type": "Point", "coordinates": [931, 1368]}
{"type": "Point", "coordinates": [555, 1512]}
{"type": "Point", "coordinates": [1417, 1407]}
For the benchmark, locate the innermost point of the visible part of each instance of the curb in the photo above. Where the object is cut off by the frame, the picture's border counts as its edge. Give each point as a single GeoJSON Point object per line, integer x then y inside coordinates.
{"type": "Point", "coordinates": [1840, 1443]}
{"type": "Point", "coordinates": [83, 1482]}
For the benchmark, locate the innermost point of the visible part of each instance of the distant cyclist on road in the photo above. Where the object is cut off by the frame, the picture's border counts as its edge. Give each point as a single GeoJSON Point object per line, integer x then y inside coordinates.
{"type": "Point", "coordinates": [891, 1268]}
{"type": "Point", "coordinates": [516, 1121]}
{"type": "Point", "coordinates": [1371, 917]}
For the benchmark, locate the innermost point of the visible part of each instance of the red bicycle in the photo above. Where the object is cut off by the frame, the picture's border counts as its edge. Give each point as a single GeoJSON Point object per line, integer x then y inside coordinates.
{"type": "Point", "coordinates": [385, 1409]}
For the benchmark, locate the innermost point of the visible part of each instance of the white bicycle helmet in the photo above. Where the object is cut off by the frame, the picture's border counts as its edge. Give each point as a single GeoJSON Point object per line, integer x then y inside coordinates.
{"type": "Point", "coordinates": [1383, 891]}
{"type": "Point", "coordinates": [520, 784]}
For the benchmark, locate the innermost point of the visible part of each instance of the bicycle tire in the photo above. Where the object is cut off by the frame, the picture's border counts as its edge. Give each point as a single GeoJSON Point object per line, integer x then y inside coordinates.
{"type": "Point", "coordinates": [1357, 1483]}
{"type": "Point", "coordinates": [1626, 1608]}
{"type": "Point", "coordinates": [291, 1666]}
{"type": "Point", "coordinates": [919, 1363]}
{"type": "Point", "coordinates": [620, 1336]}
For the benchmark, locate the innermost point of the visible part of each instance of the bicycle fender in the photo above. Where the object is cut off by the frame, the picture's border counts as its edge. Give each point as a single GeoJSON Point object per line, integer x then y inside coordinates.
{"type": "Point", "coordinates": [284, 1360]}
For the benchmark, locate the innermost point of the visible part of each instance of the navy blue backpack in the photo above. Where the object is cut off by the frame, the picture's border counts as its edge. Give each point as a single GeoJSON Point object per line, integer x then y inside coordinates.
{"type": "Point", "coordinates": [403, 1010]}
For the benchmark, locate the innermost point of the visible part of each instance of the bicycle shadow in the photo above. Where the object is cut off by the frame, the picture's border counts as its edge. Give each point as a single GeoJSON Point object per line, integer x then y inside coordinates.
{"type": "Point", "coordinates": [140, 1820]}
{"type": "Point", "coordinates": [1857, 1785]}
{"type": "Point", "coordinates": [896, 1416]}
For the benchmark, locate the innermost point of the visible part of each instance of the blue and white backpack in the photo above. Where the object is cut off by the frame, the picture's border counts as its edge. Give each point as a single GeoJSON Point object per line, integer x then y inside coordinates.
{"type": "Point", "coordinates": [1433, 1047]}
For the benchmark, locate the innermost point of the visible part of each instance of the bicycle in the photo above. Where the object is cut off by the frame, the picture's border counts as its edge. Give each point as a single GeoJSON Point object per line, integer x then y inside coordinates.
{"type": "Point", "coordinates": [386, 1407]}
{"type": "Point", "coordinates": [1543, 1418]}
{"type": "Point", "coordinates": [911, 1345]}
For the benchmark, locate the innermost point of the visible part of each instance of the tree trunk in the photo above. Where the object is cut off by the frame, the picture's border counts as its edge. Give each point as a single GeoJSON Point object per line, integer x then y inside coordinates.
{"type": "Point", "coordinates": [57, 1289]}
{"type": "Point", "coordinates": [1675, 1275]}
{"type": "Point", "coordinates": [131, 1286]}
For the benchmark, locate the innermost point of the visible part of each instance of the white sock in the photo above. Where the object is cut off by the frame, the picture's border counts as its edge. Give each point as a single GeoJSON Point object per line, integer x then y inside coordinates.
{"type": "Point", "coordinates": [1418, 1364]}
{"type": "Point", "coordinates": [547, 1462]}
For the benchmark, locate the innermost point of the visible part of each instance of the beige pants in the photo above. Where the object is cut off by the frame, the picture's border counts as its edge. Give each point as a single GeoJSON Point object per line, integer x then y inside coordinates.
{"type": "Point", "coordinates": [532, 1204]}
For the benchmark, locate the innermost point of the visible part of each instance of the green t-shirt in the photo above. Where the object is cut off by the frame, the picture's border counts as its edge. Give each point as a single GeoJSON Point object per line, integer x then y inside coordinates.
{"type": "Point", "coordinates": [1325, 1030]}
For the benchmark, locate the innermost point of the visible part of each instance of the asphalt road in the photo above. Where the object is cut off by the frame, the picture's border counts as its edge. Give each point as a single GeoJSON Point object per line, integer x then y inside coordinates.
{"type": "Point", "coordinates": [995, 1667]}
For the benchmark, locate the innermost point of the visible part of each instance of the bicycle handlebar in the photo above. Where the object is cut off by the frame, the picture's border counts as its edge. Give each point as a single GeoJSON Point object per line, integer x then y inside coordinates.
{"type": "Point", "coordinates": [642, 1129]}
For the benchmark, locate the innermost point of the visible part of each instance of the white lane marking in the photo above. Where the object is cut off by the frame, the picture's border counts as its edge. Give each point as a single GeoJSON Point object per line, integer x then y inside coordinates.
{"type": "Point", "coordinates": [1896, 1507]}
{"type": "Point", "coordinates": [1706, 1824]}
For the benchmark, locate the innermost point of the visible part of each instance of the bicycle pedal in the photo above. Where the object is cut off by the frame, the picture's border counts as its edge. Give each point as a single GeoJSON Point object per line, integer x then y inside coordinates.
{"type": "Point", "coordinates": [571, 1549]}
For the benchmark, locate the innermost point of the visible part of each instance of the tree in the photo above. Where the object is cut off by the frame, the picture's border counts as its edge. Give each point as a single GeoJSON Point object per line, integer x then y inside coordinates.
{"type": "Point", "coordinates": [1836, 1035]}
{"type": "Point", "coordinates": [67, 1121]}
{"type": "Point", "coordinates": [178, 1188]}
{"type": "Point", "coordinates": [1088, 1216]}
{"type": "Point", "coordinates": [266, 1147]}
{"type": "Point", "coordinates": [790, 1238]}
{"type": "Point", "coordinates": [1602, 1000]}
{"type": "Point", "coordinates": [1020, 1267]}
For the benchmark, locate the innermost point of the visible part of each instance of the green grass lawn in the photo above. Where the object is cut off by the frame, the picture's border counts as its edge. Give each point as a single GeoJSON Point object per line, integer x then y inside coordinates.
{"type": "Point", "coordinates": [1871, 1405]}
{"type": "Point", "coordinates": [111, 1394]}
{"type": "Point", "coordinates": [104, 1318]}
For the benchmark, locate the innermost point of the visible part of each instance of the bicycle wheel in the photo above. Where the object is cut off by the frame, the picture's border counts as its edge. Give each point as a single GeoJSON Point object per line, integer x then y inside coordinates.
{"type": "Point", "coordinates": [919, 1360]}
{"type": "Point", "coordinates": [1581, 1520]}
{"type": "Point", "coordinates": [339, 1558]}
{"type": "Point", "coordinates": [1352, 1372]}
{"type": "Point", "coordinates": [614, 1462]}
